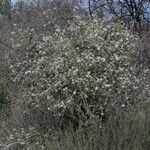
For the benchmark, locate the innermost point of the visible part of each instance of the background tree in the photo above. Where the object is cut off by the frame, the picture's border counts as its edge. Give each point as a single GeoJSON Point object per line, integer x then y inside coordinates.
{"type": "Point", "coordinates": [5, 8]}
{"type": "Point", "coordinates": [135, 13]}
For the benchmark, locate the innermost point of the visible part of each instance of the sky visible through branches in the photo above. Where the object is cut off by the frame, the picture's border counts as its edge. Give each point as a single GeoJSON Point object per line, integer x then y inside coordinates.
{"type": "Point", "coordinates": [13, 1]}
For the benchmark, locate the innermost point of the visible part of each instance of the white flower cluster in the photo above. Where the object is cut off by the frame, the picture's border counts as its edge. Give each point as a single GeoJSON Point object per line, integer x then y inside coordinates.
{"type": "Point", "coordinates": [87, 61]}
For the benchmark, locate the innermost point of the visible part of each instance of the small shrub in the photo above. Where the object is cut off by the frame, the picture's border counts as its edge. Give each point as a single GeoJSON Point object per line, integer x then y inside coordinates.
{"type": "Point", "coordinates": [4, 88]}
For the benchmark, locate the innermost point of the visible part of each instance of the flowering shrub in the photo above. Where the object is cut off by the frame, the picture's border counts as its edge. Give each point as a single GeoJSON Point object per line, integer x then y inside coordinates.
{"type": "Point", "coordinates": [80, 70]}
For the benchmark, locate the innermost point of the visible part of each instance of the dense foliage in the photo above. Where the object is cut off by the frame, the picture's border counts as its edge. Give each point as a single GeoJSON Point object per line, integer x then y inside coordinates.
{"type": "Point", "coordinates": [81, 70]}
{"type": "Point", "coordinates": [72, 77]}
